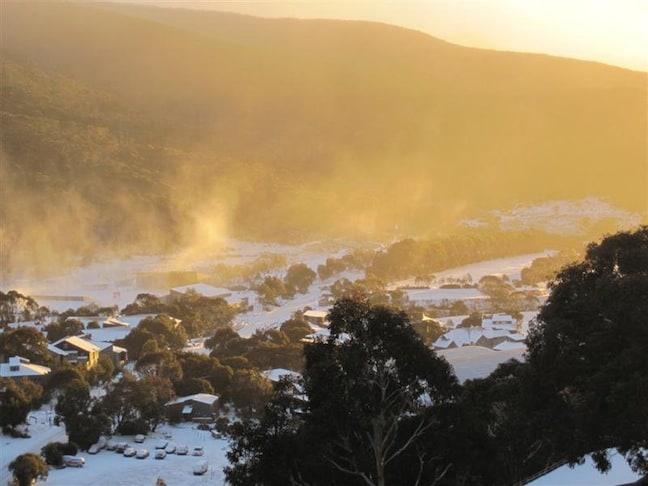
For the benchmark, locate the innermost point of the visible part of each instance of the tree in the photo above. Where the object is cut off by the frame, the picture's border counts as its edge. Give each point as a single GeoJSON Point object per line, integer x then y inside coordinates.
{"type": "Point", "coordinates": [249, 391]}
{"type": "Point", "coordinates": [18, 398]}
{"type": "Point", "coordinates": [28, 467]}
{"type": "Point", "coordinates": [26, 342]}
{"type": "Point", "coordinates": [429, 330]}
{"type": "Point", "coordinates": [191, 386]}
{"type": "Point", "coordinates": [103, 371]}
{"type": "Point", "coordinates": [296, 329]}
{"type": "Point", "coordinates": [145, 304]}
{"type": "Point", "coordinates": [64, 328]}
{"type": "Point", "coordinates": [496, 288]}
{"type": "Point", "coordinates": [131, 400]}
{"type": "Point", "coordinates": [271, 289]}
{"type": "Point", "coordinates": [74, 401]}
{"type": "Point", "coordinates": [53, 452]}
{"type": "Point", "coordinates": [299, 277]}
{"type": "Point", "coordinates": [151, 394]}
{"type": "Point", "coordinates": [382, 370]}
{"type": "Point", "coordinates": [15, 306]}
{"type": "Point", "coordinates": [588, 351]}
{"type": "Point", "coordinates": [162, 364]}
{"type": "Point", "coordinates": [374, 394]}
{"type": "Point", "coordinates": [62, 376]}
{"type": "Point", "coordinates": [162, 329]}
{"type": "Point", "coordinates": [201, 315]}
{"type": "Point", "coordinates": [200, 367]}
{"type": "Point", "coordinates": [473, 320]}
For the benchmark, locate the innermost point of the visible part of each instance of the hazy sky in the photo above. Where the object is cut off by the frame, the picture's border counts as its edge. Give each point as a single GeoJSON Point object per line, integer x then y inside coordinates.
{"type": "Point", "coordinates": [609, 31]}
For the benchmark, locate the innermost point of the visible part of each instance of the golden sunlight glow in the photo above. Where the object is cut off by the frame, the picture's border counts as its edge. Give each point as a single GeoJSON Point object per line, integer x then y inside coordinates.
{"type": "Point", "coordinates": [608, 31]}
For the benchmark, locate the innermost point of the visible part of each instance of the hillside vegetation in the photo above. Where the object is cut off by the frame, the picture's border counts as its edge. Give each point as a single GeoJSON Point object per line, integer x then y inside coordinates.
{"type": "Point", "coordinates": [144, 128]}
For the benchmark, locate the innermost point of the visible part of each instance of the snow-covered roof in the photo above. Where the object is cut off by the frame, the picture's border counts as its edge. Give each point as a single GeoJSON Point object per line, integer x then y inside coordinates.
{"type": "Point", "coordinates": [205, 398]}
{"type": "Point", "coordinates": [15, 325]}
{"type": "Point", "coordinates": [464, 336]}
{"type": "Point", "coordinates": [78, 342]}
{"type": "Point", "coordinates": [55, 350]}
{"type": "Point", "coordinates": [277, 373]}
{"type": "Point", "coordinates": [101, 344]}
{"type": "Point", "coordinates": [17, 367]}
{"type": "Point", "coordinates": [509, 345]}
{"type": "Point", "coordinates": [104, 345]}
{"type": "Point", "coordinates": [442, 343]}
{"type": "Point", "coordinates": [470, 362]}
{"type": "Point", "coordinates": [107, 334]}
{"type": "Point", "coordinates": [113, 321]}
{"type": "Point", "coordinates": [444, 294]}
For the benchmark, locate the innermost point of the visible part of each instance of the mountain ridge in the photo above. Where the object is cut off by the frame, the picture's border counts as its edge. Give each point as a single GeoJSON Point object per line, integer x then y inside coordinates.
{"type": "Point", "coordinates": [288, 128]}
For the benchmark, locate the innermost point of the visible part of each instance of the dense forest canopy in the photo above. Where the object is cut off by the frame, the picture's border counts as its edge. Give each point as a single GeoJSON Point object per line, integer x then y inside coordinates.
{"type": "Point", "coordinates": [130, 127]}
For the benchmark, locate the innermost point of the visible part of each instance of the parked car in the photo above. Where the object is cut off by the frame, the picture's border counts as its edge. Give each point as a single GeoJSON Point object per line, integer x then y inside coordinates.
{"type": "Point", "coordinates": [110, 445]}
{"type": "Point", "coordinates": [182, 450]}
{"type": "Point", "coordinates": [160, 454]}
{"type": "Point", "coordinates": [129, 452]}
{"type": "Point", "coordinates": [197, 451]}
{"type": "Point", "coordinates": [142, 454]}
{"type": "Point", "coordinates": [102, 442]}
{"type": "Point", "coordinates": [139, 438]}
{"type": "Point", "coordinates": [161, 444]}
{"type": "Point", "coordinates": [216, 434]}
{"type": "Point", "coordinates": [200, 468]}
{"type": "Point", "coordinates": [167, 435]}
{"type": "Point", "coordinates": [93, 449]}
{"type": "Point", "coordinates": [73, 461]}
{"type": "Point", "coordinates": [170, 448]}
{"type": "Point", "coordinates": [120, 447]}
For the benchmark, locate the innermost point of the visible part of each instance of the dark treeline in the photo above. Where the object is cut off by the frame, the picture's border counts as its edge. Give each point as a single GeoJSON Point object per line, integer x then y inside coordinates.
{"type": "Point", "coordinates": [421, 258]}
{"type": "Point", "coordinates": [545, 268]}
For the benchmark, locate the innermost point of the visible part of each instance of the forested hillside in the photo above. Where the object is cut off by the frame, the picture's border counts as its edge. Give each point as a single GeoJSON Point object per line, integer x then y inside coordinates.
{"type": "Point", "coordinates": [144, 128]}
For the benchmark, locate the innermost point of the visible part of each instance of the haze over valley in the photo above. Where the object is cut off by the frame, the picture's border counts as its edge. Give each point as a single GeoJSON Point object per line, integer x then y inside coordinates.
{"type": "Point", "coordinates": [143, 130]}
{"type": "Point", "coordinates": [281, 249]}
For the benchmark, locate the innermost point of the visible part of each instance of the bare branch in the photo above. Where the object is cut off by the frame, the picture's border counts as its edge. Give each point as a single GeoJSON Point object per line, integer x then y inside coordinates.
{"type": "Point", "coordinates": [354, 472]}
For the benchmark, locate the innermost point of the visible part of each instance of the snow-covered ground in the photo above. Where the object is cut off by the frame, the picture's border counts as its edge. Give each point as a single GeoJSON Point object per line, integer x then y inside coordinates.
{"type": "Point", "coordinates": [42, 431]}
{"type": "Point", "coordinates": [560, 217]}
{"type": "Point", "coordinates": [114, 283]}
{"type": "Point", "coordinates": [111, 467]}
{"type": "Point", "coordinates": [586, 474]}
{"type": "Point", "coordinates": [471, 362]}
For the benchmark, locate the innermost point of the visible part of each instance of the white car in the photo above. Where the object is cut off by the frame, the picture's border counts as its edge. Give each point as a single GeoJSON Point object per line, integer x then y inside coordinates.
{"type": "Point", "coordinates": [160, 454]}
{"type": "Point", "coordinates": [182, 450]}
{"type": "Point", "coordinates": [120, 447]}
{"type": "Point", "coordinates": [129, 452]}
{"type": "Point", "coordinates": [197, 451]}
{"type": "Point", "coordinates": [73, 461]}
{"type": "Point", "coordinates": [93, 449]}
{"type": "Point", "coordinates": [170, 448]}
{"type": "Point", "coordinates": [142, 454]}
{"type": "Point", "coordinates": [139, 438]}
{"type": "Point", "coordinates": [161, 444]}
{"type": "Point", "coordinates": [200, 468]}
{"type": "Point", "coordinates": [110, 445]}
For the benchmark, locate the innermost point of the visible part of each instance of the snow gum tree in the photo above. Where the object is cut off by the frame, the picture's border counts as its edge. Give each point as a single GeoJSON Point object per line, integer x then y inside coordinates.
{"type": "Point", "coordinates": [374, 392]}
{"type": "Point", "coordinates": [589, 351]}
